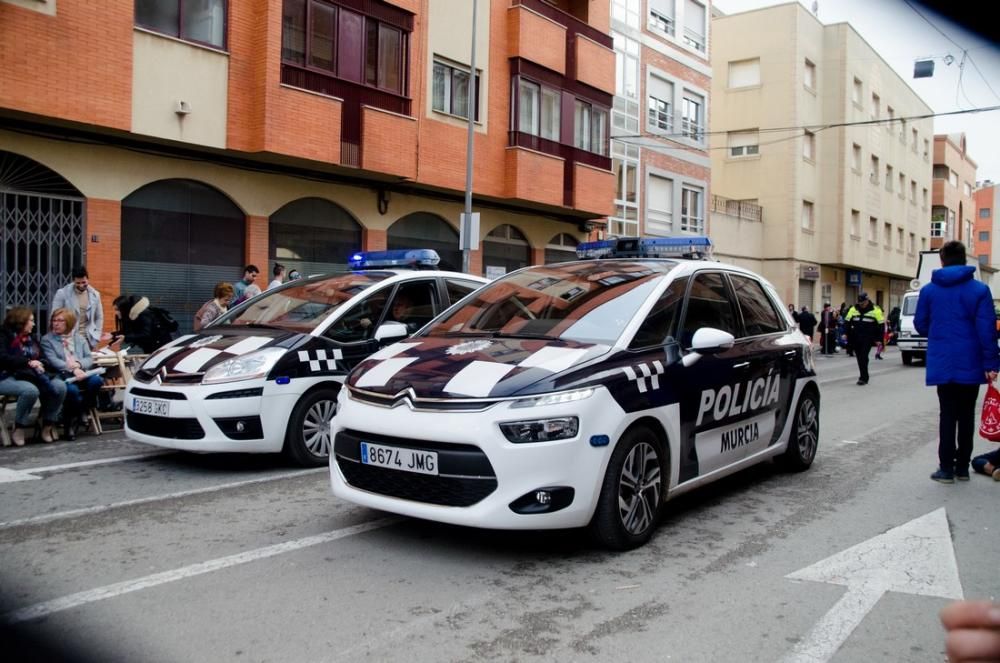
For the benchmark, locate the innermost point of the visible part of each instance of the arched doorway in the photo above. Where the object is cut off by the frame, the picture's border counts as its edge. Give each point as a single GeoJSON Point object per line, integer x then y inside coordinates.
{"type": "Point", "coordinates": [312, 235]}
{"type": "Point", "coordinates": [41, 231]}
{"type": "Point", "coordinates": [561, 248]}
{"type": "Point", "coordinates": [423, 230]}
{"type": "Point", "coordinates": [504, 250]}
{"type": "Point", "coordinates": [180, 238]}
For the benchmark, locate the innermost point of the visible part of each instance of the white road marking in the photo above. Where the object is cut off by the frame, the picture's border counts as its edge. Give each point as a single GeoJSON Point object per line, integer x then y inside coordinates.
{"type": "Point", "coordinates": [848, 442]}
{"type": "Point", "coordinates": [119, 588]}
{"type": "Point", "coordinates": [8, 475]}
{"type": "Point", "coordinates": [915, 558]}
{"type": "Point", "coordinates": [88, 511]}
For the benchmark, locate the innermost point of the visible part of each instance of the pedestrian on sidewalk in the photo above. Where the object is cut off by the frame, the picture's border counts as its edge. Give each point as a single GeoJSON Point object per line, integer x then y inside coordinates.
{"type": "Point", "coordinates": [250, 273]}
{"type": "Point", "coordinates": [864, 329]}
{"type": "Point", "coordinates": [955, 313]}
{"type": "Point", "coordinates": [827, 330]}
{"type": "Point", "coordinates": [214, 307]}
{"type": "Point", "coordinates": [807, 323]}
{"type": "Point", "coordinates": [279, 276]}
{"type": "Point", "coordinates": [85, 302]}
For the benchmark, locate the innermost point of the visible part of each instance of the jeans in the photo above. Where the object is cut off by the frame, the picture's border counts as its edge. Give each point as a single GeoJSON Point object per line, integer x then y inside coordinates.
{"type": "Point", "coordinates": [958, 411]}
{"type": "Point", "coordinates": [992, 457]}
{"type": "Point", "coordinates": [27, 394]}
{"type": "Point", "coordinates": [81, 395]}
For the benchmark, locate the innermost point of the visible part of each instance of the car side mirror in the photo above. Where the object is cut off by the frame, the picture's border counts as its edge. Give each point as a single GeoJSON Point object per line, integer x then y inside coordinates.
{"type": "Point", "coordinates": [707, 341]}
{"type": "Point", "coordinates": [390, 332]}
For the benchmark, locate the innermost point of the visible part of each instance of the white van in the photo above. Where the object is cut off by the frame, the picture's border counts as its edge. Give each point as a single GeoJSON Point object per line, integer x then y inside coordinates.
{"type": "Point", "coordinates": [909, 342]}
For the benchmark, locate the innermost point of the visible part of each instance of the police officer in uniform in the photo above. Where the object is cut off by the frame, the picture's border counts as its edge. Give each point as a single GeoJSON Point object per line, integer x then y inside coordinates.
{"type": "Point", "coordinates": [865, 323]}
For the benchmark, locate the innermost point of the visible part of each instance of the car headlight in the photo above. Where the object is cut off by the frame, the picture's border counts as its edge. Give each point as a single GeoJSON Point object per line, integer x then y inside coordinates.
{"type": "Point", "coordinates": [904, 334]}
{"type": "Point", "coordinates": [541, 430]}
{"type": "Point", "coordinates": [245, 367]}
{"type": "Point", "coordinates": [555, 399]}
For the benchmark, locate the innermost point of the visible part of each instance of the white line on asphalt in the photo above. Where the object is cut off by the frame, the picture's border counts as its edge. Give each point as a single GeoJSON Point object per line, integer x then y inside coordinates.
{"type": "Point", "coordinates": [8, 475]}
{"type": "Point", "coordinates": [849, 442]}
{"type": "Point", "coordinates": [99, 461]}
{"type": "Point", "coordinates": [91, 510]}
{"type": "Point", "coordinates": [117, 589]}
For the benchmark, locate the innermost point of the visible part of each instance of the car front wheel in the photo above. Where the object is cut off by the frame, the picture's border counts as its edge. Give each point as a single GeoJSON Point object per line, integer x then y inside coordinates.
{"type": "Point", "coordinates": [307, 440]}
{"type": "Point", "coordinates": [632, 492]}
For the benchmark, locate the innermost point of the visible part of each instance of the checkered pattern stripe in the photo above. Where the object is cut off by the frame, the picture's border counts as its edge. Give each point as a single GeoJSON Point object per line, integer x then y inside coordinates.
{"type": "Point", "coordinates": [644, 375]}
{"type": "Point", "coordinates": [316, 363]}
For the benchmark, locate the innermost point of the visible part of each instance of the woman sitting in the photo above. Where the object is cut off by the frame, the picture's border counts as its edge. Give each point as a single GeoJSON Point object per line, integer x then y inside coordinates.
{"type": "Point", "coordinates": [68, 354]}
{"type": "Point", "coordinates": [22, 375]}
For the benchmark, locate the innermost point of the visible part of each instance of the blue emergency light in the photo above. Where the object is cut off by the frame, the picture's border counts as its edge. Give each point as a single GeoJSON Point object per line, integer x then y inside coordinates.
{"type": "Point", "coordinates": [412, 258]}
{"type": "Point", "coordinates": [693, 246]}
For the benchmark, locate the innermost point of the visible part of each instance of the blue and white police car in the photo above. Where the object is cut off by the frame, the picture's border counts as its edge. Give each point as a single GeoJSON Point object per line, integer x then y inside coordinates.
{"type": "Point", "coordinates": [581, 393]}
{"type": "Point", "coordinates": [265, 376]}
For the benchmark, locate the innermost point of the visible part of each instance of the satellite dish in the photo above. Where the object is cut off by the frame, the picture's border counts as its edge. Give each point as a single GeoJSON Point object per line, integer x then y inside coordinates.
{"type": "Point", "coordinates": [915, 284]}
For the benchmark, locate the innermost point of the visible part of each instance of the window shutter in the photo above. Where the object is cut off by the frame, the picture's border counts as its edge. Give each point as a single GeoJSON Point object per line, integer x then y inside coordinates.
{"type": "Point", "coordinates": [744, 73]}
{"type": "Point", "coordinates": [694, 18]}
{"type": "Point", "coordinates": [661, 89]}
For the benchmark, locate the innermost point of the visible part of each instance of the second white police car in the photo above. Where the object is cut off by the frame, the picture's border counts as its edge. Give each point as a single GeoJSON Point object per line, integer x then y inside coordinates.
{"type": "Point", "coordinates": [581, 393]}
{"type": "Point", "coordinates": [265, 376]}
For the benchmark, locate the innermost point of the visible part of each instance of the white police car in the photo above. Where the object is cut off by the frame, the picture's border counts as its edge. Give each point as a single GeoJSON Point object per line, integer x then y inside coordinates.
{"type": "Point", "coordinates": [265, 376]}
{"type": "Point", "coordinates": [580, 393]}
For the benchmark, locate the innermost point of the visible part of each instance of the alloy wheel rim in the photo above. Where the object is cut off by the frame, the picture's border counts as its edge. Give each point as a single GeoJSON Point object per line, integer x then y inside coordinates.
{"type": "Point", "coordinates": [639, 488]}
{"type": "Point", "coordinates": [316, 427]}
{"type": "Point", "coordinates": [808, 429]}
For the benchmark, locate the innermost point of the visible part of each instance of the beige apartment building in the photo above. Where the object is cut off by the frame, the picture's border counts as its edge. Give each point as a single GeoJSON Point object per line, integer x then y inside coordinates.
{"type": "Point", "coordinates": [820, 168]}
{"type": "Point", "coordinates": [953, 206]}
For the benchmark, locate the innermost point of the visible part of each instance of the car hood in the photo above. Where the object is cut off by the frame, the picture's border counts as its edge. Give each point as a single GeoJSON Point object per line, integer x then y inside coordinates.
{"type": "Point", "coordinates": [196, 353]}
{"type": "Point", "coordinates": [471, 367]}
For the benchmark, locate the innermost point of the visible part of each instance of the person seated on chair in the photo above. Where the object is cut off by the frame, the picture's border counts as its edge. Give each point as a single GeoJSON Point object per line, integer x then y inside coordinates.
{"type": "Point", "coordinates": [68, 354]}
{"type": "Point", "coordinates": [134, 323]}
{"type": "Point", "coordinates": [402, 311]}
{"type": "Point", "coordinates": [23, 376]}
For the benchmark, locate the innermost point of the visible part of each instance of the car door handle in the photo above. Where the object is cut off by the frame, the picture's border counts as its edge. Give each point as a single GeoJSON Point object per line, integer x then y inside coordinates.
{"type": "Point", "coordinates": [790, 353]}
{"type": "Point", "coordinates": [742, 364]}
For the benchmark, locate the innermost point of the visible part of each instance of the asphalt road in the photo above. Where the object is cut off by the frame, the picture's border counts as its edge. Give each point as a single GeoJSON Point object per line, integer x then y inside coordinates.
{"type": "Point", "coordinates": [116, 551]}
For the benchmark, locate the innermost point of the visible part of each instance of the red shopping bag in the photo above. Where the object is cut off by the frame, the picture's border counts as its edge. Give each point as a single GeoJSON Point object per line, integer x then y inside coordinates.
{"type": "Point", "coordinates": [989, 423]}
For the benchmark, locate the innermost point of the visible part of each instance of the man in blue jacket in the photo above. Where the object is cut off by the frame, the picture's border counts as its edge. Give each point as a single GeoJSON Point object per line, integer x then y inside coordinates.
{"type": "Point", "coordinates": [955, 313]}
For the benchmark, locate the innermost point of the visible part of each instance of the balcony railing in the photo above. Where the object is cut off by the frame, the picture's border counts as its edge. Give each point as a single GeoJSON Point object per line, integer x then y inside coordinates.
{"type": "Point", "coordinates": [740, 209]}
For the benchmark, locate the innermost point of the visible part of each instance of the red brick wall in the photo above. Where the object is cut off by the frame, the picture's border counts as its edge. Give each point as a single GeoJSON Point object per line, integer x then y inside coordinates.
{"type": "Point", "coordinates": [76, 65]}
{"type": "Point", "coordinates": [593, 190]}
{"type": "Point", "coordinates": [538, 39]}
{"type": "Point", "coordinates": [257, 246]}
{"type": "Point", "coordinates": [374, 240]}
{"type": "Point", "coordinates": [388, 143]}
{"type": "Point", "coordinates": [104, 218]}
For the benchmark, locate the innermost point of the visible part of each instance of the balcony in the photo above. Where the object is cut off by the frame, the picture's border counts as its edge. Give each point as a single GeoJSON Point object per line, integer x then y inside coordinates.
{"type": "Point", "coordinates": [561, 39]}
{"type": "Point", "coordinates": [387, 142]}
{"type": "Point", "coordinates": [534, 176]}
{"type": "Point", "coordinates": [593, 190]}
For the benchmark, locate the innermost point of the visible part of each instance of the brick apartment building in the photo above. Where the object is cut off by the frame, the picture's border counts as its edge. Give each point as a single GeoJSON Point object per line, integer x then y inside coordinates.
{"type": "Point", "coordinates": [987, 244]}
{"type": "Point", "coordinates": [953, 207]}
{"type": "Point", "coordinates": [166, 143]}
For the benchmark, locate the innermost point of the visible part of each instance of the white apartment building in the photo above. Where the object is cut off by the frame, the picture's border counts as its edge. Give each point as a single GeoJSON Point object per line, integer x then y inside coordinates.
{"type": "Point", "coordinates": [809, 123]}
{"type": "Point", "coordinates": [659, 145]}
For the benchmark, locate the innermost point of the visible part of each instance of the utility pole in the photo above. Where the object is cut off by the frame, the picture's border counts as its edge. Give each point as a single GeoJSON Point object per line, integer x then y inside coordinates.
{"type": "Point", "coordinates": [469, 231]}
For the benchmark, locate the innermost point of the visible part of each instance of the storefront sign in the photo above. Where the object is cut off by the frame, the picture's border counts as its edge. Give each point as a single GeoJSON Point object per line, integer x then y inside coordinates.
{"type": "Point", "coordinates": [854, 277]}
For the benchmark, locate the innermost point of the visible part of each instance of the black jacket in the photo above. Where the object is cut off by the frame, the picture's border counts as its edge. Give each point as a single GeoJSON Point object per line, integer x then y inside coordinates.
{"type": "Point", "coordinates": [137, 325]}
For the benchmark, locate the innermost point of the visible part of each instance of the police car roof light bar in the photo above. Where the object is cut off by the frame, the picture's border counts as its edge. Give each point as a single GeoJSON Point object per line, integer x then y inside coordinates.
{"type": "Point", "coordinates": [693, 246]}
{"type": "Point", "coordinates": [411, 258]}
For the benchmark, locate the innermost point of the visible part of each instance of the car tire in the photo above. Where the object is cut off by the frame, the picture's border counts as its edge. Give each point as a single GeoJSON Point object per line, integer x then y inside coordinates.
{"type": "Point", "coordinates": [307, 440]}
{"type": "Point", "coordinates": [802, 446]}
{"type": "Point", "coordinates": [907, 358]}
{"type": "Point", "coordinates": [632, 492]}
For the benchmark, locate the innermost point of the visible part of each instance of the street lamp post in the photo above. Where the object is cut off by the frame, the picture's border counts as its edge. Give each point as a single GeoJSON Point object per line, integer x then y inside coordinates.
{"type": "Point", "coordinates": [469, 234]}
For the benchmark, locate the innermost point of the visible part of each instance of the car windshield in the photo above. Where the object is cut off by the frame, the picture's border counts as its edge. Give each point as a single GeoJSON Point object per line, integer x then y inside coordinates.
{"type": "Point", "coordinates": [302, 306]}
{"type": "Point", "coordinates": [589, 302]}
{"type": "Point", "coordinates": [909, 306]}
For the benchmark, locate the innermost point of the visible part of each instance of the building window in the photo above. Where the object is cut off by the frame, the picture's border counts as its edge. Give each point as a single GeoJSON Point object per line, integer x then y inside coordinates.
{"type": "Point", "coordinates": [451, 90]}
{"type": "Point", "coordinates": [538, 110]}
{"type": "Point", "coordinates": [810, 75]}
{"type": "Point", "coordinates": [590, 128]}
{"type": "Point", "coordinates": [927, 149]}
{"type": "Point", "coordinates": [743, 143]}
{"type": "Point", "coordinates": [984, 259]}
{"type": "Point", "coordinates": [891, 115]}
{"type": "Point", "coordinates": [692, 115]}
{"type": "Point", "coordinates": [626, 12]}
{"type": "Point", "coordinates": [941, 172]}
{"type": "Point", "coordinates": [953, 179]}
{"type": "Point", "coordinates": [809, 146]}
{"type": "Point", "coordinates": [939, 221]}
{"type": "Point", "coordinates": [899, 239]}
{"type": "Point", "coordinates": [913, 192]}
{"type": "Point", "coordinates": [807, 215]}
{"type": "Point", "coordinates": [659, 205]}
{"type": "Point", "coordinates": [984, 235]}
{"type": "Point", "coordinates": [914, 141]}
{"type": "Point", "coordinates": [856, 93]}
{"type": "Point", "coordinates": [855, 223]}
{"type": "Point", "coordinates": [201, 21]}
{"type": "Point", "coordinates": [888, 177]}
{"type": "Point", "coordinates": [912, 247]}
{"type": "Point", "coordinates": [876, 106]}
{"type": "Point", "coordinates": [661, 16]}
{"type": "Point", "coordinates": [694, 25]}
{"type": "Point", "coordinates": [924, 198]}
{"type": "Point", "coordinates": [902, 185]}
{"type": "Point", "coordinates": [966, 189]}
{"type": "Point", "coordinates": [692, 213]}
{"type": "Point", "coordinates": [856, 158]}
{"type": "Point", "coordinates": [872, 229]}
{"type": "Point", "coordinates": [625, 113]}
{"type": "Point", "coordinates": [660, 107]}
{"type": "Point", "coordinates": [984, 212]}
{"type": "Point", "coordinates": [332, 40]}
{"type": "Point", "coordinates": [625, 164]}
{"type": "Point", "coordinates": [744, 73]}
{"type": "Point", "coordinates": [887, 235]}
{"type": "Point", "coordinates": [873, 176]}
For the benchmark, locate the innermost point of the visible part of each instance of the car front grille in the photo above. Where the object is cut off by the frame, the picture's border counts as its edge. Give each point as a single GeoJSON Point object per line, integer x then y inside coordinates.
{"type": "Point", "coordinates": [465, 478]}
{"type": "Point", "coordinates": [177, 429]}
